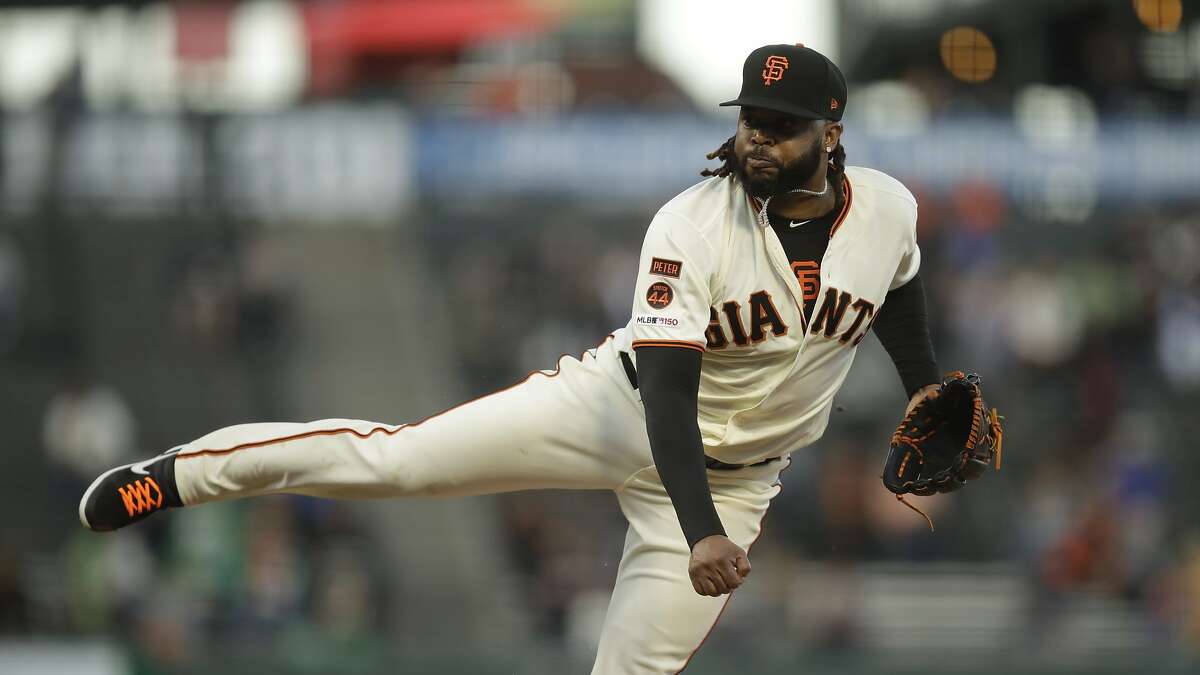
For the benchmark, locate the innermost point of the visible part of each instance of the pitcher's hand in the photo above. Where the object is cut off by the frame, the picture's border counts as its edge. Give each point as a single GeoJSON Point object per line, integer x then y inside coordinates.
{"type": "Point", "coordinates": [717, 566]}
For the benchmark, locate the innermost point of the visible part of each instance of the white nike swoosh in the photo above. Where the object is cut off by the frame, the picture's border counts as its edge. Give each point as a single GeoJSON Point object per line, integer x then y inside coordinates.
{"type": "Point", "coordinates": [140, 467]}
{"type": "Point", "coordinates": [798, 224]}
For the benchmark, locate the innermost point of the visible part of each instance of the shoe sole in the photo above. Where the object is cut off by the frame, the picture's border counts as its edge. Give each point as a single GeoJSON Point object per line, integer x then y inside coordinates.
{"type": "Point", "coordinates": [96, 483]}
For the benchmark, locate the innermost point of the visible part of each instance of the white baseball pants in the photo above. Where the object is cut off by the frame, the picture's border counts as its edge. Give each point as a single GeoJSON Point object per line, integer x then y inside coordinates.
{"type": "Point", "coordinates": [581, 426]}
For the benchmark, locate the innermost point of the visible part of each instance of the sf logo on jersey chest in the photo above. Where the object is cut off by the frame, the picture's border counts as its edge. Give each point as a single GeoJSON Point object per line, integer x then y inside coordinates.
{"type": "Point", "coordinates": [841, 316]}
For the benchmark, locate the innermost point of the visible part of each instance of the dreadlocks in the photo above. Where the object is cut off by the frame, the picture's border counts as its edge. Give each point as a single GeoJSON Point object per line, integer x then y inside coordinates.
{"type": "Point", "coordinates": [837, 168]}
{"type": "Point", "coordinates": [724, 154]}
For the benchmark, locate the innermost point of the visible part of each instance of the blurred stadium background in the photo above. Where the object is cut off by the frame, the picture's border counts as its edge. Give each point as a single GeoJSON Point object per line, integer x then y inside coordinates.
{"type": "Point", "coordinates": [214, 212]}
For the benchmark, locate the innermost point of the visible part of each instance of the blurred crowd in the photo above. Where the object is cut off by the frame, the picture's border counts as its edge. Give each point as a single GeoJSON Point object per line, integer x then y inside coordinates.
{"type": "Point", "coordinates": [299, 573]}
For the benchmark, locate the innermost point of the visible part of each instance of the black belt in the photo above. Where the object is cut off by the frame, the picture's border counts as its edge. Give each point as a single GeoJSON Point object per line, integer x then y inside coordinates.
{"type": "Point", "coordinates": [714, 464]}
{"type": "Point", "coordinates": [630, 371]}
{"type": "Point", "coordinates": [718, 465]}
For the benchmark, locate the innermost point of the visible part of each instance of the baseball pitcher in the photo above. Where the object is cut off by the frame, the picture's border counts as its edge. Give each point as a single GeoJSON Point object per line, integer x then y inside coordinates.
{"type": "Point", "coordinates": [755, 288]}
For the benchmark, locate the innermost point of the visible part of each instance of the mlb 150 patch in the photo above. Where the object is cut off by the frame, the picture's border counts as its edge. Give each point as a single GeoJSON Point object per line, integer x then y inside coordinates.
{"type": "Point", "coordinates": [645, 320]}
{"type": "Point", "coordinates": [659, 295]}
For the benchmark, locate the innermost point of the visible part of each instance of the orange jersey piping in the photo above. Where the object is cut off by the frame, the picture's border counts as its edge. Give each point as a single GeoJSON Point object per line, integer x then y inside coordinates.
{"type": "Point", "coordinates": [638, 344]}
{"type": "Point", "coordinates": [849, 192]}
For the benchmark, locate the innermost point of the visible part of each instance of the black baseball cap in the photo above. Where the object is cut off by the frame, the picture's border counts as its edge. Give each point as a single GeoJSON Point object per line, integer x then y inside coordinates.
{"type": "Point", "coordinates": [792, 79]}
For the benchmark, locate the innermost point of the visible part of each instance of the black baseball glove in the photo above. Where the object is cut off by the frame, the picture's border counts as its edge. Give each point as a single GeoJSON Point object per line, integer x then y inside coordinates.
{"type": "Point", "coordinates": [944, 441]}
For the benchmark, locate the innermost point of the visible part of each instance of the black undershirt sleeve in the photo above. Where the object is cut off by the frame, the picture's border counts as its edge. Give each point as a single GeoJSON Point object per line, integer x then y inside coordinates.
{"type": "Point", "coordinates": [903, 328]}
{"type": "Point", "coordinates": [669, 379]}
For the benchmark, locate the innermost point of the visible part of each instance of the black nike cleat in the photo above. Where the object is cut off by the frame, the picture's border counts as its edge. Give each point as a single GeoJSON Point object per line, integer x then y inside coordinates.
{"type": "Point", "coordinates": [129, 493]}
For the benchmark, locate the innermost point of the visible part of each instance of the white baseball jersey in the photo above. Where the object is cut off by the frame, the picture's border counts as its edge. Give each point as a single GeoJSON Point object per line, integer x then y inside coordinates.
{"type": "Point", "coordinates": [714, 278]}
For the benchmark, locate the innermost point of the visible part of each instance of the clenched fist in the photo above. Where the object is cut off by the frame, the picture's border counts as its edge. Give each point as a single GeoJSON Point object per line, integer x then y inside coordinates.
{"type": "Point", "coordinates": [717, 566]}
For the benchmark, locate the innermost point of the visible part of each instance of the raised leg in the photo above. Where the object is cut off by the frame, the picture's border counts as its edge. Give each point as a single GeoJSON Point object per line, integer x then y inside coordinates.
{"type": "Point", "coordinates": [579, 427]}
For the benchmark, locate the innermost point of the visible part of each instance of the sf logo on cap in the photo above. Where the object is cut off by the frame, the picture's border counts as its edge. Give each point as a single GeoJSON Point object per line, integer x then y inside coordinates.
{"type": "Point", "coordinates": [774, 70]}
